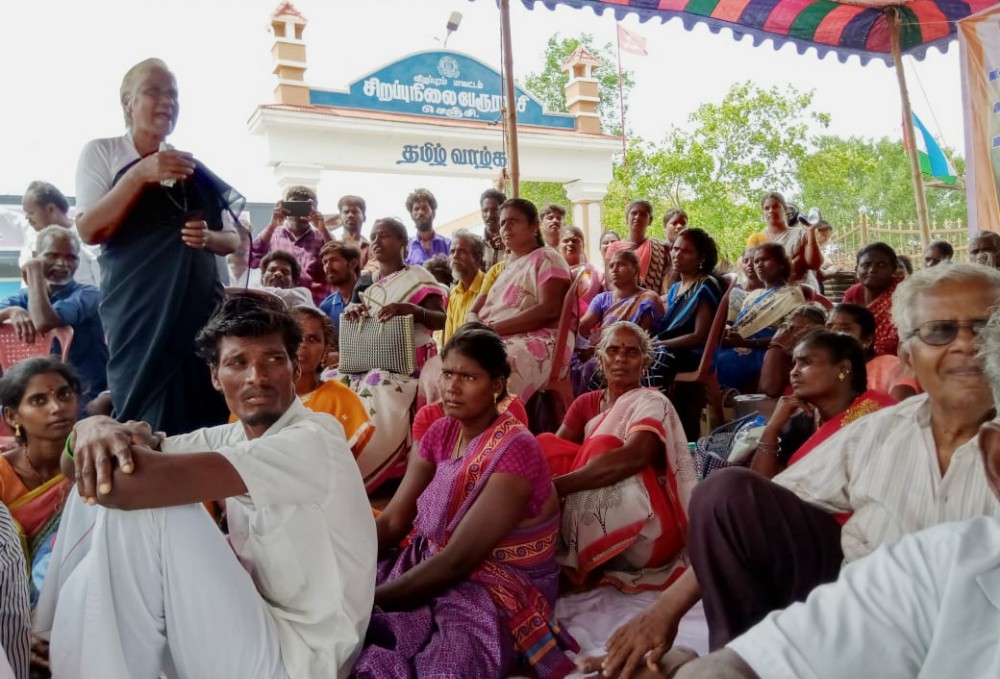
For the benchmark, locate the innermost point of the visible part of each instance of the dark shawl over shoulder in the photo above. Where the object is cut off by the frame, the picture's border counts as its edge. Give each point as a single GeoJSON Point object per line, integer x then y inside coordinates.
{"type": "Point", "coordinates": [157, 293]}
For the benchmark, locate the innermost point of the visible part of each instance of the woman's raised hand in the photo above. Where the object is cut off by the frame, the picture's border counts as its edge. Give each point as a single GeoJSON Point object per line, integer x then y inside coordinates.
{"type": "Point", "coordinates": [786, 407]}
{"type": "Point", "coordinates": [164, 165]}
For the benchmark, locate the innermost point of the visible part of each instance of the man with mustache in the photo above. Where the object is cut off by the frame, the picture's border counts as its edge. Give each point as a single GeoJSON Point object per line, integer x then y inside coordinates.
{"type": "Point", "coordinates": [984, 248]}
{"type": "Point", "coordinates": [553, 217]}
{"type": "Point", "coordinates": [422, 206]}
{"type": "Point", "coordinates": [280, 274]}
{"type": "Point", "coordinates": [757, 546]}
{"type": "Point", "coordinates": [52, 299]}
{"type": "Point", "coordinates": [489, 207]}
{"type": "Point", "coordinates": [925, 606]}
{"type": "Point", "coordinates": [142, 582]}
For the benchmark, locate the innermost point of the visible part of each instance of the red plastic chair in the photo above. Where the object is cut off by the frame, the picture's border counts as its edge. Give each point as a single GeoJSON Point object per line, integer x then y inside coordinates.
{"type": "Point", "coordinates": [13, 349]}
{"type": "Point", "coordinates": [559, 379]}
{"type": "Point", "coordinates": [813, 295]}
{"type": "Point", "coordinates": [705, 373]}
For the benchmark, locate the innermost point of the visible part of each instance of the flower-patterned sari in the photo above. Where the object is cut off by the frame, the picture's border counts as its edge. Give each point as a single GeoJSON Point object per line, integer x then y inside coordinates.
{"type": "Point", "coordinates": [387, 396]}
{"type": "Point", "coordinates": [516, 289]}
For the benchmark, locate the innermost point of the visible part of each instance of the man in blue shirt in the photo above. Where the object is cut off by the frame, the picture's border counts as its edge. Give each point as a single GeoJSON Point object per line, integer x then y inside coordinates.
{"type": "Point", "coordinates": [53, 298]}
{"type": "Point", "coordinates": [422, 206]}
{"type": "Point", "coordinates": [342, 266]}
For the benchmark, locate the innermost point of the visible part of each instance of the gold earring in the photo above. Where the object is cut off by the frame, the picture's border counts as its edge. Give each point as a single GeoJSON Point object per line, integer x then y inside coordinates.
{"type": "Point", "coordinates": [841, 376]}
{"type": "Point", "coordinates": [17, 430]}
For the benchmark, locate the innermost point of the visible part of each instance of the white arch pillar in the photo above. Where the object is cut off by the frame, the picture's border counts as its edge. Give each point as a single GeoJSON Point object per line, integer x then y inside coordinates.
{"type": "Point", "coordinates": [292, 174]}
{"type": "Point", "coordinates": [587, 203]}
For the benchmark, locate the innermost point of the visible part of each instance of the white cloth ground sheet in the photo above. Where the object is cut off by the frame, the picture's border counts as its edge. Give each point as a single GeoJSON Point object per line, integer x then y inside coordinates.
{"type": "Point", "coordinates": [592, 617]}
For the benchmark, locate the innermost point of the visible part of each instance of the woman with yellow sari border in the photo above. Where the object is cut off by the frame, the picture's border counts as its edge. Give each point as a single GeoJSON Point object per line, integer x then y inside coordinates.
{"type": "Point", "coordinates": [471, 592]}
{"type": "Point", "coordinates": [39, 399]}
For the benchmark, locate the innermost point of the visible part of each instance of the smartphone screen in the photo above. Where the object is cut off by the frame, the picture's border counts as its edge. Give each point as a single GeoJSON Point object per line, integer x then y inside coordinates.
{"type": "Point", "coordinates": [297, 208]}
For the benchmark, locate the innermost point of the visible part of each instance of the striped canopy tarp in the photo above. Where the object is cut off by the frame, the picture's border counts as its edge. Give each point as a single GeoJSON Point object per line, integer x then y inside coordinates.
{"type": "Point", "coordinates": [856, 27]}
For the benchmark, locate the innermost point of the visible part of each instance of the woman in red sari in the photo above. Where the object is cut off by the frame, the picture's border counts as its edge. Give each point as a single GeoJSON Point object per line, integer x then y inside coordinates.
{"type": "Point", "coordinates": [39, 398]}
{"type": "Point", "coordinates": [877, 280]}
{"type": "Point", "coordinates": [621, 466]}
{"type": "Point", "coordinates": [829, 391]}
{"type": "Point", "coordinates": [653, 253]}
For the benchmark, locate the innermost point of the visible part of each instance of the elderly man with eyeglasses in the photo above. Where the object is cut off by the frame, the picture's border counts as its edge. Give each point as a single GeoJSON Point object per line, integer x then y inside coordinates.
{"type": "Point", "coordinates": [758, 546]}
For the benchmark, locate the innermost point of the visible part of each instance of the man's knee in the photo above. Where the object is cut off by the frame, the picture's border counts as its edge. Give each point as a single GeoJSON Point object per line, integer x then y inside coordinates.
{"type": "Point", "coordinates": [732, 491]}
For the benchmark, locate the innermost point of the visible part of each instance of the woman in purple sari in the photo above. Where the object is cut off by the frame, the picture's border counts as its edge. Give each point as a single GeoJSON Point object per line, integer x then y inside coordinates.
{"type": "Point", "coordinates": [472, 591]}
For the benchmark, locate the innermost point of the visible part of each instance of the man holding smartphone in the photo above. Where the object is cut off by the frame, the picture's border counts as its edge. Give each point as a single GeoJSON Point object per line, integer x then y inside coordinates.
{"type": "Point", "coordinates": [297, 227]}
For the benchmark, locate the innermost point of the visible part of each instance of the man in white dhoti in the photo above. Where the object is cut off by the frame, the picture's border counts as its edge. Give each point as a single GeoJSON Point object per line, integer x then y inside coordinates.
{"type": "Point", "coordinates": [142, 582]}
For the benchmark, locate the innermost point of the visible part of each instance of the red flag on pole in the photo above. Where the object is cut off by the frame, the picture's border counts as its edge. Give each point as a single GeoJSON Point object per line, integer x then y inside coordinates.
{"type": "Point", "coordinates": [631, 42]}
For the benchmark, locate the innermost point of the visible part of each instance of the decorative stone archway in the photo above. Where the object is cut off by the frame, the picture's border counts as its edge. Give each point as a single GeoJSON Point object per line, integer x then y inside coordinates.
{"type": "Point", "coordinates": [432, 113]}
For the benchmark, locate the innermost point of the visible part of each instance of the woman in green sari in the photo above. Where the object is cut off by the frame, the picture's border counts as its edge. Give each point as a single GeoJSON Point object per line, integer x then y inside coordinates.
{"type": "Point", "coordinates": [39, 398]}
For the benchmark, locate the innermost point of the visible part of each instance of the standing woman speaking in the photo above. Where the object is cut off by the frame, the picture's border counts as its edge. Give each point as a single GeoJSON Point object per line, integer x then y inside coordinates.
{"type": "Point", "coordinates": [158, 215]}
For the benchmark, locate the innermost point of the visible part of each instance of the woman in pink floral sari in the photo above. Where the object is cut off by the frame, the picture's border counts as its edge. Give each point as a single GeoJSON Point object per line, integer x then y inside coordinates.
{"type": "Point", "coordinates": [525, 303]}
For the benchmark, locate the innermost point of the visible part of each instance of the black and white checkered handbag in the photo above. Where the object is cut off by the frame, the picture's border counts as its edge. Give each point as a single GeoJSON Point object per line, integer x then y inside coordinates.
{"type": "Point", "coordinates": [368, 345]}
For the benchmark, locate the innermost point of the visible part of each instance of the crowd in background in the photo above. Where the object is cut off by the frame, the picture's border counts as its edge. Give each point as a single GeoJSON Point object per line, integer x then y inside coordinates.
{"type": "Point", "coordinates": [383, 455]}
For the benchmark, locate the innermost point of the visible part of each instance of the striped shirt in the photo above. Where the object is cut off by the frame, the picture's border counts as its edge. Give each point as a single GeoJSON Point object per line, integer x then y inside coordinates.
{"type": "Point", "coordinates": [884, 469]}
{"type": "Point", "coordinates": [15, 619]}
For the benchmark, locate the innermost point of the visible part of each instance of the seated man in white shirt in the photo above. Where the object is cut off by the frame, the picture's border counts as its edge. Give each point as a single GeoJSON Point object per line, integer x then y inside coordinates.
{"type": "Point", "coordinates": [280, 273]}
{"type": "Point", "coordinates": [927, 606]}
{"type": "Point", "coordinates": [142, 583]}
{"type": "Point", "coordinates": [758, 546]}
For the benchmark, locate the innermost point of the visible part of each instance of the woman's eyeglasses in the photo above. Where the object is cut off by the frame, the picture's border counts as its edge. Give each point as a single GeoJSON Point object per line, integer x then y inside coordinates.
{"type": "Point", "coordinates": [940, 333]}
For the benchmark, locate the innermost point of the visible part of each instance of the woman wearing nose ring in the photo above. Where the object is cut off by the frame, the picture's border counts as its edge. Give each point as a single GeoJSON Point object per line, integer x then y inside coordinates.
{"type": "Point", "coordinates": [145, 202]}
{"type": "Point", "coordinates": [877, 280]}
{"type": "Point", "coordinates": [39, 399]}
{"type": "Point", "coordinates": [473, 593]}
{"type": "Point", "coordinates": [621, 465]}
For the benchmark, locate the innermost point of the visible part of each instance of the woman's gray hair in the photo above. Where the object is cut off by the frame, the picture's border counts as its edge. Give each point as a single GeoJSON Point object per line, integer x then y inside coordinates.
{"type": "Point", "coordinates": [989, 352]}
{"type": "Point", "coordinates": [904, 299]}
{"type": "Point", "coordinates": [608, 331]}
{"type": "Point", "coordinates": [131, 81]}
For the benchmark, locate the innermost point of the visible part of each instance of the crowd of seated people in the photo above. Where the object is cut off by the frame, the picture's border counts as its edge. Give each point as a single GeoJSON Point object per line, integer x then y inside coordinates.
{"type": "Point", "coordinates": [883, 426]}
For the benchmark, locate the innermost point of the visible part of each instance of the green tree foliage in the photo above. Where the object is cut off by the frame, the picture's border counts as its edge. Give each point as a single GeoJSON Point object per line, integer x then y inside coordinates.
{"type": "Point", "coordinates": [735, 152]}
{"type": "Point", "coordinates": [849, 177]}
{"type": "Point", "coordinates": [544, 193]}
{"type": "Point", "coordinates": [550, 85]}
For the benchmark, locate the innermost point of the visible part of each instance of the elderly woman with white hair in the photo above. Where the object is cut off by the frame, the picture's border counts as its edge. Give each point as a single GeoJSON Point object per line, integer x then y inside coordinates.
{"type": "Point", "coordinates": [160, 217]}
{"type": "Point", "coordinates": [757, 545]}
{"type": "Point", "coordinates": [621, 465]}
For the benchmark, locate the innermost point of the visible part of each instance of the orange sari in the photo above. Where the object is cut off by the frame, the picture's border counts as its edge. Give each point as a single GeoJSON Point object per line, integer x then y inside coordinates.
{"type": "Point", "coordinates": [36, 514]}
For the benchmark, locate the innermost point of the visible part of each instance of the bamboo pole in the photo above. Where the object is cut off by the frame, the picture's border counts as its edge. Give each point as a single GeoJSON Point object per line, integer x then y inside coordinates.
{"type": "Point", "coordinates": [892, 19]}
{"type": "Point", "coordinates": [508, 68]}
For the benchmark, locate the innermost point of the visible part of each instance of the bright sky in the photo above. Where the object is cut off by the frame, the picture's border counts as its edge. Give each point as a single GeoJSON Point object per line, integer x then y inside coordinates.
{"type": "Point", "coordinates": [63, 61]}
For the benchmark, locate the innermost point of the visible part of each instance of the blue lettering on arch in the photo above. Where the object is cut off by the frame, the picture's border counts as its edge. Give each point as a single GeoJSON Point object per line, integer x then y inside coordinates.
{"type": "Point", "coordinates": [439, 84]}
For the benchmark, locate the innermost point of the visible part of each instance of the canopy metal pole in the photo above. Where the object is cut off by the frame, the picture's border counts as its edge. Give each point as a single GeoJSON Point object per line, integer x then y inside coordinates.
{"type": "Point", "coordinates": [508, 69]}
{"type": "Point", "coordinates": [892, 19]}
